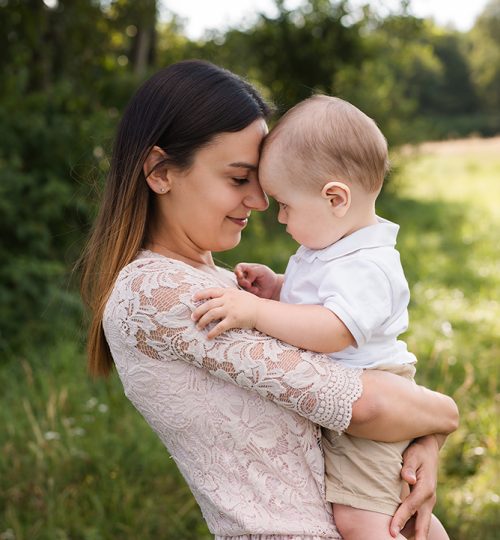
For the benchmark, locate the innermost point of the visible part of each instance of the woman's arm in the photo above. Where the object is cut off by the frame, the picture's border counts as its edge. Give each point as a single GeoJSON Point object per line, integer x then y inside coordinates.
{"type": "Point", "coordinates": [392, 408]}
{"type": "Point", "coordinates": [154, 315]}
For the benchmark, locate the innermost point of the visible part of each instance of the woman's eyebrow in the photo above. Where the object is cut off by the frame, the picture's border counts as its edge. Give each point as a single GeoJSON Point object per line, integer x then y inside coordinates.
{"type": "Point", "coordinates": [242, 164]}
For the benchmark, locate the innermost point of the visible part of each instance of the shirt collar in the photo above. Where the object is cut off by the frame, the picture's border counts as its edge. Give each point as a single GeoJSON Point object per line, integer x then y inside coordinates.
{"type": "Point", "coordinates": [383, 233]}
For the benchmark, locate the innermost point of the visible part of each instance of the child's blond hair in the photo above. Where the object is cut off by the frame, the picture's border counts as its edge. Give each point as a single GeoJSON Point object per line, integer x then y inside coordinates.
{"type": "Point", "coordinates": [331, 139]}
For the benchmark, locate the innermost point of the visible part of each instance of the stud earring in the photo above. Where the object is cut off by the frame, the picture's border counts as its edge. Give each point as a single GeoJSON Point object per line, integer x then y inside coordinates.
{"type": "Point", "coordinates": [162, 190]}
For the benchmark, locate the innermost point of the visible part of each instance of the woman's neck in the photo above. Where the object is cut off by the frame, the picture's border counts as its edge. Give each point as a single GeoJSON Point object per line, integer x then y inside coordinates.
{"type": "Point", "coordinates": [165, 239]}
{"type": "Point", "coordinates": [185, 253]}
{"type": "Point", "coordinates": [200, 261]}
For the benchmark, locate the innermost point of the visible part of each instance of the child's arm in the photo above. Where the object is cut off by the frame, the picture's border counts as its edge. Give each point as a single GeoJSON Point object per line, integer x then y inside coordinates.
{"type": "Point", "coordinates": [259, 279]}
{"type": "Point", "coordinates": [310, 327]}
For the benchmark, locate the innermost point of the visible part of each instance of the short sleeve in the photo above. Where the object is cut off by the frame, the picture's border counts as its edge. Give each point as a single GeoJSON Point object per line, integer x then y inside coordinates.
{"type": "Point", "coordinates": [359, 292]}
{"type": "Point", "coordinates": [150, 312]}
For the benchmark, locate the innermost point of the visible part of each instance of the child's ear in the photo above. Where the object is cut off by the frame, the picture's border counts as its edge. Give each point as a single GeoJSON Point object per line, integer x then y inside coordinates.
{"type": "Point", "coordinates": [156, 176]}
{"type": "Point", "coordinates": [339, 196]}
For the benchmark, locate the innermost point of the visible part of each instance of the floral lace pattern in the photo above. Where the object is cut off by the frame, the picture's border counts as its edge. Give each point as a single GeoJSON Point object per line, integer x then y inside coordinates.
{"type": "Point", "coordinates": [242, 429]}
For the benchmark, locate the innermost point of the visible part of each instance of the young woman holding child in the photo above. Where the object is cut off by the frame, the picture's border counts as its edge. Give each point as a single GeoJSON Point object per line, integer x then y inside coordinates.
{"type": "Point", "coordinates": [240, 414]}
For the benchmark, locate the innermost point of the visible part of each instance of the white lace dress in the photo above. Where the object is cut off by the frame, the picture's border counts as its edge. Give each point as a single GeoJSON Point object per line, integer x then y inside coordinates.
{"type": "Point", "coordinates": [238, 414]}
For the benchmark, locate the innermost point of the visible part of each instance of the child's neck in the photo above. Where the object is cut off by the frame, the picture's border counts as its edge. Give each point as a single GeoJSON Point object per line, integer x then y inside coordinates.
{"type": "Point", "coordinates": [361, 218]}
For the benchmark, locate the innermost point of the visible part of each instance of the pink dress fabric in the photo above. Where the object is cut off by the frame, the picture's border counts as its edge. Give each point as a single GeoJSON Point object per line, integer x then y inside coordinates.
{"type": "Point", "coordinates": [240, 414]}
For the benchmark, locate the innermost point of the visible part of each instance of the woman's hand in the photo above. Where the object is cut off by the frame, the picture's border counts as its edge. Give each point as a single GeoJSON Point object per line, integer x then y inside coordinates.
{"type": "Point", "coordinates": [420, 466]}
{"type": "Point", "coordinates": [259, 279]}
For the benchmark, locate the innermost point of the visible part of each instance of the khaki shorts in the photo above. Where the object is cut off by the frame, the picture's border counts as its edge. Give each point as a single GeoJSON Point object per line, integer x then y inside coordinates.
{"type": "Point", "coordinates": [365, 474]}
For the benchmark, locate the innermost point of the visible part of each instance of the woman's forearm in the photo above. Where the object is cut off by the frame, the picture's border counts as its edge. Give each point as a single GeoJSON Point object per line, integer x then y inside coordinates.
{"type": "Point", "coordinates": [392, 408]}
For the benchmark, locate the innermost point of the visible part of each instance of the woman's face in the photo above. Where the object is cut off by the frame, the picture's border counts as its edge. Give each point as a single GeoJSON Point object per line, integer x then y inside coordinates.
{"type": "Point", "coordinates": [208, 205]}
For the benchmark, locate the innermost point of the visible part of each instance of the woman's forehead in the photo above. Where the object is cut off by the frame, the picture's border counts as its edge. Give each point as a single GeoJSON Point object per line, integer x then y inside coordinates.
{"type": "Point", "coordinates": [237, 149]}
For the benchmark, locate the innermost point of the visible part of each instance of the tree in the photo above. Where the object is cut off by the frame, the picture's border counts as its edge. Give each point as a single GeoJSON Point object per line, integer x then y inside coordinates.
{"type": "Point", "coordinates": [63, 82]}
{"type": "Point", "coordinates": [297, 52]}
{"type": "Point", "coordinates": [484, 56]}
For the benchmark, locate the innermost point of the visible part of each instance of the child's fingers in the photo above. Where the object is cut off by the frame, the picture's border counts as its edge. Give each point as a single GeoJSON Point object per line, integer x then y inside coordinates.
{"type": "Point", "coordinates": [219, 329]}
{"type": "Point", "coordinates": [205, 294]}
{"type": "Point", "coordinates": [244, 283]}
{"type": "Point", "coordinates": [205, 307]}
{"type": "Point", "coordinates": [253, 290]}
{"type": "Point", "coordinates": [242, 267]}
{"type": "Point", "coordinates": [242, 277]}
{"type": "Point", "coordinates": [239, 270]}
{"type": "Point", "coordinates": [215, 314]}
{"type": "Point", "coordinates": [248, 271]}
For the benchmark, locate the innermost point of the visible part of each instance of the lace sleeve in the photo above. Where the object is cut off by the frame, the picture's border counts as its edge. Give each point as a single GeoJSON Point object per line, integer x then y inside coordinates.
{"type": "Point", "coordinates": [153, 309]}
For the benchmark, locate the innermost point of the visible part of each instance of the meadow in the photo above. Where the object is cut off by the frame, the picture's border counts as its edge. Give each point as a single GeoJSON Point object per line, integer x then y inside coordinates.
{"type": "Point", "coordinates": [78, 462]}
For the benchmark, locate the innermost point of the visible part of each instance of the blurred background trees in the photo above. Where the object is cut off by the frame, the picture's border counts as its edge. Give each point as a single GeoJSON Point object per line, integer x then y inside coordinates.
{"type": "Point", "coordinates": [69, 66]}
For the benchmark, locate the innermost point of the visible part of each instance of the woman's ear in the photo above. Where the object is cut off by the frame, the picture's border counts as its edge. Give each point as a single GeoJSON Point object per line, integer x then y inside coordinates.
{"type": "Point", "coordinates": [156, 177]}
{"type": "Point", "coordinates": [339, 196]}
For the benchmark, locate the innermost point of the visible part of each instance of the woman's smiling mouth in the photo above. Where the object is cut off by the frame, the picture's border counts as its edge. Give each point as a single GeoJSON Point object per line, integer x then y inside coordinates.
{"type": "Point", "coordinates": [241, 222]}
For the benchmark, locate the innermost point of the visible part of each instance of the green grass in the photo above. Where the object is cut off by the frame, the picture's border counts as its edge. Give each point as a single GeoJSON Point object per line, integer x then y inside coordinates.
{"type": "Point", "coordinates": [448, 208]}
{"type": "Point", "coordinates": [78, 462]}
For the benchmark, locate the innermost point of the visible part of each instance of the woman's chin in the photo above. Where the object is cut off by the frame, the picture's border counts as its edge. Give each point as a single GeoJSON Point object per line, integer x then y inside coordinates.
{"type": "Point", "coordinates": [228, 243]}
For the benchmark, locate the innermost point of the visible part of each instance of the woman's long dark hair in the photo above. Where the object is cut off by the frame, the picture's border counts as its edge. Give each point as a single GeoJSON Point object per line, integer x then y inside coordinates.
{"type": "Point", "coordinates": [180, 109]}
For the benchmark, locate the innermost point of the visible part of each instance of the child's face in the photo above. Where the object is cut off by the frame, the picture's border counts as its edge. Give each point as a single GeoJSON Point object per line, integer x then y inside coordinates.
{"type": "Point", "coordinates": [307, 215]}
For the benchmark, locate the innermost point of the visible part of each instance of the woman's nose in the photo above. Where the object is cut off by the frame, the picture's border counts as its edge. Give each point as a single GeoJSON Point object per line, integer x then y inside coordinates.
{"type": "Point", "coordinates": [256, 199]}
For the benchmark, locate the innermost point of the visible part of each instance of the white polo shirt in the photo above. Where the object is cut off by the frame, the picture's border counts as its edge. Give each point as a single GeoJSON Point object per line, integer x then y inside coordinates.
{"type": "Point", "coordinates": [361, 280]}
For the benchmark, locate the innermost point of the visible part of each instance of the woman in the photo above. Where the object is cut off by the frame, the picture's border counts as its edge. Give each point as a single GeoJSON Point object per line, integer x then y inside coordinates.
{"type": "Point", "coordinates": [239, 414]}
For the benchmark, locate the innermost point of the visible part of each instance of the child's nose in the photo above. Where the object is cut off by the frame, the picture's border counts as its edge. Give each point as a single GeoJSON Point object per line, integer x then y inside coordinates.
{"type": "Point", "coordinates": [282, 216]}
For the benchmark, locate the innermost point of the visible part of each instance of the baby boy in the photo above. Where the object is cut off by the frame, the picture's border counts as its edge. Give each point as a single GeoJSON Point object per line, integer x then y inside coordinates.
{"type": "Point", "coordinates": [343, 293]}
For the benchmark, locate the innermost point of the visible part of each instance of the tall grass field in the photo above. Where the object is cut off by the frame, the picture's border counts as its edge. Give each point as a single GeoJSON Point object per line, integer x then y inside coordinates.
{"type": "Point", "coordinates": [78, 462]}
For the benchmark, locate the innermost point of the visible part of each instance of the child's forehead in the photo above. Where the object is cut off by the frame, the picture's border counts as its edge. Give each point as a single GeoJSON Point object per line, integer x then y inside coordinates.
{"type": "Point", "coordinates": [273, 172]}
{"type": "Point", "coordinates": [275, 159]}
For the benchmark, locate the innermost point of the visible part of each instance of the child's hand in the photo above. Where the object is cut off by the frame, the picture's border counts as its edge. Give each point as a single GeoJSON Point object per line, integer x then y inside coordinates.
{"type": "Point", "coordinates": [233, 308]}
{"type": "Point", "coordinates": [258, 279]}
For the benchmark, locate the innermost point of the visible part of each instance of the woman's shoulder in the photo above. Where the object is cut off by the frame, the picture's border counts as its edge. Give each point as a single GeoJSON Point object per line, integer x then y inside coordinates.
{"type": "Point", "coordinates": [149, 262]}
{"type": "Point", "coordinates": [150, 271]}
{"type": "Point", "coordinates": [150, 284]}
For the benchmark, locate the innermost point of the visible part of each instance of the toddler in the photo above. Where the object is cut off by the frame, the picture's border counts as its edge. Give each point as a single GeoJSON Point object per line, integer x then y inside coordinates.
{"type": "Point", "coordinates": [343, 293]}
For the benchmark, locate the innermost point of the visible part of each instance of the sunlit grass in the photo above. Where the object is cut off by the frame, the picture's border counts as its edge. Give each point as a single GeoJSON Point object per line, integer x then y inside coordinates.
{"type": "Point", "coordinates": [447, 200]}
{"type": "Point", "coordinates": [78, 462]}
{"type": "Point", "coordinates": [465, 171]}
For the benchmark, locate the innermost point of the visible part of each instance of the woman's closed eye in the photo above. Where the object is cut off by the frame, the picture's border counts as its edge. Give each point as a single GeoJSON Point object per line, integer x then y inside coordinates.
{"type": "Point", "coordinates": [240, 180]}
{"type": "Point", "coordinates": [282, 206]}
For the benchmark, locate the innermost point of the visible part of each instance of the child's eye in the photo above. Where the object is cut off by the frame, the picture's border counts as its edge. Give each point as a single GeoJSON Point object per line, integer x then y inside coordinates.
{"type": "Point", "coordinates": [240, 180]}
{"type": "Point", "coordinates": [283, 206]}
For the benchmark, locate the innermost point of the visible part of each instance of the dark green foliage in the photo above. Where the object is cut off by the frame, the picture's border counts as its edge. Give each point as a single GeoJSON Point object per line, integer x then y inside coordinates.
{"type": "Point", "coordinates": [300, 51]}
{"type": "Point", "coordinates": [46, 152]}
{"type": "Point", "coordinates": [59, 102]}
{"type": "Point", "coordinates": [484, 55]}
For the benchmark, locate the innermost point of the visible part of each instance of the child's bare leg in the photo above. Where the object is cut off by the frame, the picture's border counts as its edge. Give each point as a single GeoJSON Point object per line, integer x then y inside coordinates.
{"type": "Point", "coordinates": [436, 530]}
{"type": "Point", "coordinates": [356, 524]}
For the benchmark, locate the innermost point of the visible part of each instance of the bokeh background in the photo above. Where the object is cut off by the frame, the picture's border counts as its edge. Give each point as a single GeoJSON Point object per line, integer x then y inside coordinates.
{"type": "Point", "coordinates": [76, 461]}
